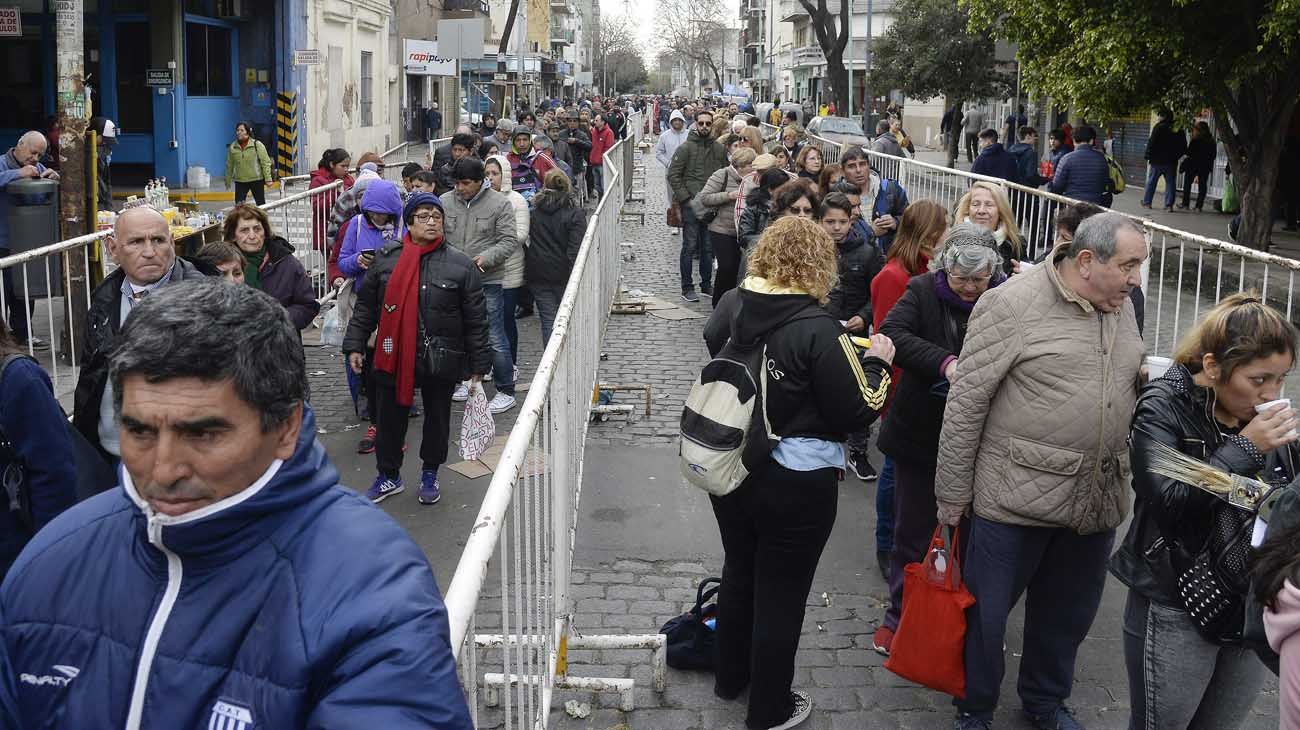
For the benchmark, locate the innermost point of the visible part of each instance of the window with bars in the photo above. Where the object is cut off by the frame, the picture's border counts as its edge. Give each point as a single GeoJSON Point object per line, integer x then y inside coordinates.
{"type": "Point", "coordinates": [367, 88]}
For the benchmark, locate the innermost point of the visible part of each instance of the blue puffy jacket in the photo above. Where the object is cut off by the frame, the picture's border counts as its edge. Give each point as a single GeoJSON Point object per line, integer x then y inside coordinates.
{"type": "Point", "coordinates": [293, 604]}
{"type": "Point", "coordinates": [1083, 175]}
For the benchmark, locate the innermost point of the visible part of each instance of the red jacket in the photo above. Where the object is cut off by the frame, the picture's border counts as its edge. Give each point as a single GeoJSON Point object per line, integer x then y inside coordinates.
{"type": "Point", "coordinates": [601, 141]}
{"type": "Point", "coordinates": [887, 288]}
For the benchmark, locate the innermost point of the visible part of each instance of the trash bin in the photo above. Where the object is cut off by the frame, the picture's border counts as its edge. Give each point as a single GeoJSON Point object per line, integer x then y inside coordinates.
{"type": "Point", "coordinates": [34, 222]}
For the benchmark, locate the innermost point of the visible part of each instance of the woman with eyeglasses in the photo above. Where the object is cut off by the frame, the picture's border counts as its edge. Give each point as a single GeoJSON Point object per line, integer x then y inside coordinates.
{"type": "Point", "coordinates": [928, 326]}
{"type": "Point", "coordinates": [796, 198]}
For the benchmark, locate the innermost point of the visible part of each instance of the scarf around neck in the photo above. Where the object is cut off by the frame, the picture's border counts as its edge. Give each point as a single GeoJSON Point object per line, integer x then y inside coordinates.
{"type": "Point", "coordinates": [399, 319]}
{"type": "Point", "coordinates": [253, 272]}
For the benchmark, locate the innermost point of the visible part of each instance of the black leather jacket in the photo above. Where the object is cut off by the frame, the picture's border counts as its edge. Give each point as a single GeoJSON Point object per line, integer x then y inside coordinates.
{"type": "Point", "coordinates": [1171, 520]}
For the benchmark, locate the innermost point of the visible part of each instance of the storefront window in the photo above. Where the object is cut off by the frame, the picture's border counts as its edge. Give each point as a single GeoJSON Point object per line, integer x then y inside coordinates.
{"type": "Point", "coordinates": [21, 73]}
{"type": "Point", "coordinates": [207, 60]}
{"type": "Point", "coordinates": [134, 98]}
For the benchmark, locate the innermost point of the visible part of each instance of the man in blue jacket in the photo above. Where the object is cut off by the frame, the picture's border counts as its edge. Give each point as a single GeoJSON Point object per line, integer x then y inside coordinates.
{"type": "Point", "coordinates": [1083, 174]}
{"type": "Point", "coordinates": [230, 581]}
{"type": "Point", "coordinates": [21, 162]}
{"type": "Point", "coordinates": [994, 160]}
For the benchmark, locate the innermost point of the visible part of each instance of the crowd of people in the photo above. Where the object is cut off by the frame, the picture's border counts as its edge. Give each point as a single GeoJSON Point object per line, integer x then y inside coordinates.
{"type": "Point", "coordinates": [1018, 397]}
{"type": "Point", "coordinates": [1010, 398]}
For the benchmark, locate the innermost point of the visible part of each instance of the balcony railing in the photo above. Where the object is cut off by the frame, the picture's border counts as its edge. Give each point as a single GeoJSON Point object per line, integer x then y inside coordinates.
{"type": "Point", "coordinates": [561, 36]}
{"type": "Point", "coordinates": [790, 10]}
{"type": "Point", "coordinates": [807, 56]}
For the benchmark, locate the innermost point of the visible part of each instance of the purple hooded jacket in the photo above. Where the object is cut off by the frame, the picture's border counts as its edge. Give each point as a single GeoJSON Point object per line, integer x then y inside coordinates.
{"type": "Point", "coordinates": [381, 196]}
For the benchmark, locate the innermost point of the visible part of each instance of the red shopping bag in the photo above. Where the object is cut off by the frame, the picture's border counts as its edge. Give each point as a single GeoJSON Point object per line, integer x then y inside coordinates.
{"type": "Point", "coordinates": [927, 648]}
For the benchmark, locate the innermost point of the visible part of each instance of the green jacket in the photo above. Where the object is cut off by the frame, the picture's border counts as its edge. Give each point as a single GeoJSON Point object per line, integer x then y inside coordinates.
{"type": "Point", "coordinates": [694, 161]}
{"type": "Point", "coordinates": [249, 164]}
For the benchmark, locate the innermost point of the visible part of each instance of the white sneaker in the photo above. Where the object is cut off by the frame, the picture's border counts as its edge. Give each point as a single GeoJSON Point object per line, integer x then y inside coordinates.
{"type": "Point", "coordinates": [675, 231]}
{"type": "Point", "coordinates": [500, 403]}
{"type": "Point", "coordinates": [462, 393]}
{"type": "Point", "coordinates": [802, 709]}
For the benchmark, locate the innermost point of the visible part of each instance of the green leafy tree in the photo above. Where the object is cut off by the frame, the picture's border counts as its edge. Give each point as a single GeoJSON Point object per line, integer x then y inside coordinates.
{"type": "Point", "coordinates": [960, 68]}
{"type": "Point", "coordinates": [1106, 58]}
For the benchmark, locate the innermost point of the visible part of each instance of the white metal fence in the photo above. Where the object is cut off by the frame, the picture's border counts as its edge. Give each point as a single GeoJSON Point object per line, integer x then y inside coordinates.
{"type": "Point", "coordinates": [517, 561]}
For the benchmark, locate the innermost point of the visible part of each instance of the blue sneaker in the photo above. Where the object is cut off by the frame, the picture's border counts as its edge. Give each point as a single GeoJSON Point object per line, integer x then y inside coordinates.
{"type": "Point", "coordinates": [1062, 718]}
{"type": "Point", "coordinates": [383, 488]}
{"type": "Point", "coordinates": [429, 487]}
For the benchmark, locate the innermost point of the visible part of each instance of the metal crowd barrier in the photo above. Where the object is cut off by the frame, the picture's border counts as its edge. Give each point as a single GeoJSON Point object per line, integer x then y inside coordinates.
{"type": "Point", "coordinates": [525, 531]}
{"type": "Point", "coordinates": [394, 159]}
{"type": "Point", "coordinates": [42, 278]}
{"type": "Point", "coordinates": [1184, 275]}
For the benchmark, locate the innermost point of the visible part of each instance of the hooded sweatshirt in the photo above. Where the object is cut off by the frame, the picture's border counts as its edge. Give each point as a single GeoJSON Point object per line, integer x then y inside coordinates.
{"type": "Point", "coordinates": [1282, 627]}
{"type": "Point", "coordinates": [512, 276]}
{"type": "Point", "coordinates": [381, 196]}
{"type": "Point", "coordinates": [670, 139]}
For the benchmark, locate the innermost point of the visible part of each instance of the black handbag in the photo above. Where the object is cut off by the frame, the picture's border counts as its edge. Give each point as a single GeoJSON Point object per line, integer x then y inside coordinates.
{"type": "Point", "coordinates": [1212, 588]}
{"type": "Point", "coordinates": [691, 642]}
{"type": "Point", "coordinates": [443, 360]}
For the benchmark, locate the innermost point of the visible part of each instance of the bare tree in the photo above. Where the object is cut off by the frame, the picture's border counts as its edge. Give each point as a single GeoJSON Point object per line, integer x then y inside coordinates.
{"type": "Point", "coordinates": [695, 34]}
{"type": "Point", "coordinates": [832, 45]}
{"type": "Point", "coordinates": [617, 55]}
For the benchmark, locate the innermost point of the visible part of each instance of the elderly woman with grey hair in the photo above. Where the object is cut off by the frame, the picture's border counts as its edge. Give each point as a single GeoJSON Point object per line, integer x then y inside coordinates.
{"type": "Point", "coordinates": [927, 325]}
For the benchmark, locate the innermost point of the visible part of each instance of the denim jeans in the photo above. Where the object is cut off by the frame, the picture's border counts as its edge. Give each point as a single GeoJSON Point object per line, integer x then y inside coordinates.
{"type": "Point", "coordinates": [503, 367]}
{"type": "Point", "coordinates": [1061, 574]}
{"type": "Point", "coordinates": [509, 303]}
{"type": "Point", "coordinates": [547, 297]}
{"type": "Point", "coordinates": [885, 507]}
{"type": "Point", "coordinates": [1179, 680]}
{"type": "Point", "coordinates": [1154, 173]}
{"type": "Point", "coordinates": [596, 174]}
{"type": "Point", "coordinates": [695, 234]}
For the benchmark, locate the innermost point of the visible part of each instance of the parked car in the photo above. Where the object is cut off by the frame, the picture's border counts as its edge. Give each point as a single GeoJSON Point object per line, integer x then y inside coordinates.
{"type": "Point", "coordinates": [838, 129]}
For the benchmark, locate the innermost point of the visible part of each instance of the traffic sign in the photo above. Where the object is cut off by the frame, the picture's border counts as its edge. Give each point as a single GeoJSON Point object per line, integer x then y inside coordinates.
{"type": "Point", "coordinates": [159, 77]}
{"type": "Point", "coordinates": [307, 57]}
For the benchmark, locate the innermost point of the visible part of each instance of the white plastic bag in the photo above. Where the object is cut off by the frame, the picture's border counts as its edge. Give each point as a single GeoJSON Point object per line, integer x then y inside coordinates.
{"type": "Point", "coordinates": [477, 429]}
{"type": "Point", "coordinates": [331, 330]}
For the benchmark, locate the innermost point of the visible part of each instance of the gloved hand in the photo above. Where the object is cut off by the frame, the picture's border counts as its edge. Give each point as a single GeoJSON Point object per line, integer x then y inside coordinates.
{"type": "Point", "coordinates": [951, 514]}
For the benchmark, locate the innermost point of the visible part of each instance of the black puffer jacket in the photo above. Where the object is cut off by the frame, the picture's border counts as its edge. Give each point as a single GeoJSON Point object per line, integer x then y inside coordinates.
{"type": "Point", "coordinates": [926, 331]}
{"type": "Point", "coordinates": [1171, 520]}
{"type": "Point", "coordinates": [451, 306]}
{"type": "Point", "coordinates": [859, 264]}
{"type": "Point", "coordinates": [103, 323]}
{"type": "Point", "coordinates": [753, 220]}
{"type": "Point", "coordinates": [579, 144]}
{"type": "Point", "coordinates": [555, 236]}
{"type": "Point", "coordinates": [819, 386]}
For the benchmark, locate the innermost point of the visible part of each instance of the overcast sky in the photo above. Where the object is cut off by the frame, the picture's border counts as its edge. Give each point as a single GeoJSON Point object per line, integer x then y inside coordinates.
{"type": "Point", "coordinates": [644, 13]}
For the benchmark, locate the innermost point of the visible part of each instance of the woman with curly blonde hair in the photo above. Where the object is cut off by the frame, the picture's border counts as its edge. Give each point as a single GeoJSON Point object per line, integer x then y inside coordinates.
{"type": "Point", "coordinates": [986, 204]}
{"type": "Point", "coordinates": [774, 525]}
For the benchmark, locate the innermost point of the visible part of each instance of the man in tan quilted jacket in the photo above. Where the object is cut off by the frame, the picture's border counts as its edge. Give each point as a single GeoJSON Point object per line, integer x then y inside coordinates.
{"type": "Point", "coordinates": [1033, 444]}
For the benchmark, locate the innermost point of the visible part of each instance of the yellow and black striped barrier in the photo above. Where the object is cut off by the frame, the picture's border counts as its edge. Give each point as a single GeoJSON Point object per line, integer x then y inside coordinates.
{"type": "Point", "coordinates": [286, 127]}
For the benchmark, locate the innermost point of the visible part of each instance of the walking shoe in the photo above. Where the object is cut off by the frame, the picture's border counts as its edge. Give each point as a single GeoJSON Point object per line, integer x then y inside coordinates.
{"type": "Point", "coordinates": [35, 343]}
{"type": "Point", "coordinates": [429, 487]}
{"type": "Point", "coordinates": [383, 488]}
{"type": "Point", "coordinates": [882, 561]}
{"type": "Point", "coordinates": [500, 403]}
{"type": "Point", "coordinates": [690, 295]}
{"type": "Point", "coordinates": [367, 443]}
{"type": "Point", "coordinates": [1145, 205]}
{"type": "Point", "coordinates": [707, 290]}
{"type": "Point", "coordinates": [1169, 208]}
{"type": "Point", "coordinates": [674, 231]}
{"type": "Point", "coordinates": [415, 409]}
{"type": "Point", "coordinates": [462, 393]}
{"type": "Point", "coordinates": [882, 640]}
{"type": "Point", "coordinates": [802, 709]}
{"type": "Point", "coordinates": [970, 722]}
{"type": "Point", "coordinates": [1059, 719]}
{"type": "Point", "coordinates": [522, 312]}
{"type": "Point", "coordinates": [861, 466]}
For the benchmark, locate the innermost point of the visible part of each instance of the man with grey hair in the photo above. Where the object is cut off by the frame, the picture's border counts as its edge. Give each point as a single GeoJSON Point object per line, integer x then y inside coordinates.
{"type": "Point", "coordinates": [1034, 446]}
{"type": "Point", "coordinates": [142, 246]}
{"type": "Point", "coordinates": [21, 162]}
{"type": "Point", "coordinates": [230, 581]}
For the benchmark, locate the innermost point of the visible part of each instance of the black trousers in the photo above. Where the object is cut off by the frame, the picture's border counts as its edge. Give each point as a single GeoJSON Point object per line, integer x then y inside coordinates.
{"type": "Point", "coordinates": [20, 308]}
{"type": "Point", "coordinates": [1202, 177]}
{"type": "Point", "coordinates": [392, 424]}
{"type": "Point", "coordinates": [256, 187]}
{"type": "Point", "coordinates": [726, 253]}
{"type": "Point", "coordinates": [972, 146]}
{"type": "Point", "coordinates": [774, 527]}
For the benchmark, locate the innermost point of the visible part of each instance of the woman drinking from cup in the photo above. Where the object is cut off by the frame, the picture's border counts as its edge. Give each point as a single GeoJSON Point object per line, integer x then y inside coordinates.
{"type": "Point", "coordinates": [1218, 403]}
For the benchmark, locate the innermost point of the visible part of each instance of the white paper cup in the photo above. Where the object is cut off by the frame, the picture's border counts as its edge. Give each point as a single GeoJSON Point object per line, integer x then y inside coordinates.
{"type": "Point", "coordinates": [1285, 402]}
{"type": "Point", "coordinates": [1157, 366]}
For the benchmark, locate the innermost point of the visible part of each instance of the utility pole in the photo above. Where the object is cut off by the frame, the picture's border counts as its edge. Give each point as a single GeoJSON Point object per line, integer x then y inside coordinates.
{"type": "Point", "coordinates": [866, 77]}
{"type": "Point", "coordinates": [73, 120]}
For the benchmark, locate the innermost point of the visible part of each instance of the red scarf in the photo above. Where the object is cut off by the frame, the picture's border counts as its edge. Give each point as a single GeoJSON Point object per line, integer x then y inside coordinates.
{"type": "Point", "coordinates": [395, 346]}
